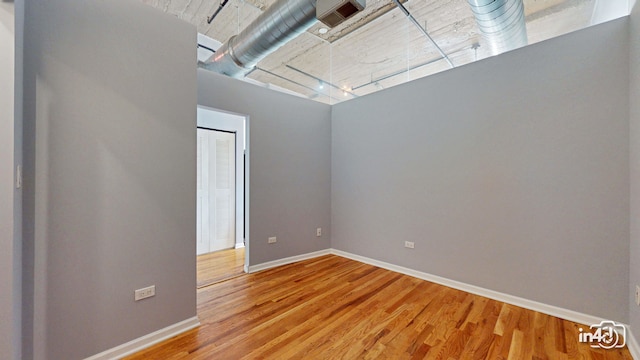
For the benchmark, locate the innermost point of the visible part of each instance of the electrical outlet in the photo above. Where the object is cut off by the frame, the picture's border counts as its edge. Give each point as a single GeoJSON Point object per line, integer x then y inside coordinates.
{"type": "Point", "coordinates": [145, 293]}
{"type": "Point", "coordinates": [637, 295]}
{"type": "Point", "coordinates": [319, 232]}
{"type": "Point", "coordinates": [409, 244]}
{"type": "Point", "coordinates": [272, 240]}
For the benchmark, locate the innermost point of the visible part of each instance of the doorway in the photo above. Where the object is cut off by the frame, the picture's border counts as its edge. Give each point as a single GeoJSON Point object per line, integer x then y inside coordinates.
{"type": "Point", "coordinates": [216, 190]}
{"type": "Point", "coordinates": [221, 245]}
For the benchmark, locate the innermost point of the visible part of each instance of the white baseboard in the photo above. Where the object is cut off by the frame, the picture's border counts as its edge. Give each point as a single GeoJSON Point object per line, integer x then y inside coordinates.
{"type": "Point", "coordinates": [559, 312]}
{"type": "Point", "coordinates": [286, 261]}
{"type": "Point", "coordinates": [239, 246]}
{"type": "Point", "coordinates": [556, 311]}
{"type": "Point", "coordinates": [173, 330]}
{"type": "Point", "coordinates": [632, 344]}
{"type": "Point", "coordinates": [495, 295]}
{"type": "Point", "coordinates": [143, 342]}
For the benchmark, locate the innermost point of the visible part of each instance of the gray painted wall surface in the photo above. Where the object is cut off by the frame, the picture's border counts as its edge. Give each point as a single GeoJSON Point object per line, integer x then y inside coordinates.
{"type": "Point", "coordinates": [111, 92]}
{"type": "Point", "coordinates": [289, 162]}
{"type": "Point", "coordinates": [510, 173]}
{"type": "Point", "coordinates": [10, 264]}
{"type": "Point", "coordinates": [634, 103]}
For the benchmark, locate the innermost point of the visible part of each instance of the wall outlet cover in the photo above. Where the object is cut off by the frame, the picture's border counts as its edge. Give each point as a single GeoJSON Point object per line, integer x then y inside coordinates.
{"type": "Point", "coordinates": [144, 293]}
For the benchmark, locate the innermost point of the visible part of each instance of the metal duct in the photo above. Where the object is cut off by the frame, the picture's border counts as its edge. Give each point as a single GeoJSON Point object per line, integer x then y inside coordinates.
{"type": "Point", "coordinates": [281, 22]}
{"type": "Point", "coordinates": [501, 23]}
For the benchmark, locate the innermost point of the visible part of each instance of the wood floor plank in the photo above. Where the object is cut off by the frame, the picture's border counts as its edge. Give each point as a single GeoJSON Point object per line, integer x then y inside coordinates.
{"type": "Point", "coordinates": [335, 308]}
{"type": "Point", "coordinates": [219, 266]}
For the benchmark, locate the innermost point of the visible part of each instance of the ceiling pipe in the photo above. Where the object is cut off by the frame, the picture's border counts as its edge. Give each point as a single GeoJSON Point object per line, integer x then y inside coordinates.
{"type": "Point", "coordinates": [321, 81]}
{"type": "Point", "coordinates": [280, 23]}
{"type": "Point", "coordinates": [501, 23]}
{"type": "Point", "coordinates": [424, 32]}
{"type": "Point", "coordinates": [222, 4]}
{"type": "Point", "coordinates": [206, 48]}
{"type": "Point", "coordinates": [315, 91]}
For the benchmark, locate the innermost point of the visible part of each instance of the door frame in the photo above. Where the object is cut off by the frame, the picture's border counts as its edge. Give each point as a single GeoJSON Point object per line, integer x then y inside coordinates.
{"type": "Point", "coordinates": [221, 120]}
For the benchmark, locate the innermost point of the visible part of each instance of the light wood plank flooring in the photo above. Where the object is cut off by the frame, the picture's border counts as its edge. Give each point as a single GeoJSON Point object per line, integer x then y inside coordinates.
{"type": "Point", "coordinates": [219, 266]}
{"type": "Point", "coordinates": [335, 308]}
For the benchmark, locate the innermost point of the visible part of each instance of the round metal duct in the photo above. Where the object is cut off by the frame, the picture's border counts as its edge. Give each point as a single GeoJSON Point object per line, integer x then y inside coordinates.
{"type": "Point", "coordinates": [501, 23]}
{"type": "Point", "coordinates": [281, 22]}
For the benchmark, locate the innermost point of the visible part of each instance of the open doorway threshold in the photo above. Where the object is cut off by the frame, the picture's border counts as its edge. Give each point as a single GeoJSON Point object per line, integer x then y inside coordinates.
{"type": "Point", "coordinates": [219, 266]}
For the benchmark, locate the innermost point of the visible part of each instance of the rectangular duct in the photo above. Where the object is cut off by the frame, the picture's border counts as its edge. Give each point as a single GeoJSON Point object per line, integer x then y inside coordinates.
{"type": "Point", "coordinates": [334, 12]}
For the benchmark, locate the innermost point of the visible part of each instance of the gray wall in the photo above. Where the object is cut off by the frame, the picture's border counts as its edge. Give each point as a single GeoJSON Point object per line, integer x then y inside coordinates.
{"type": "Point", "coordinates": [10, 256]}
{"type": "Point", "coordinates": [510, 173]}
{"type": "Point", "coordinates": [289, 162]}
{"type": "Point", "coordinates": [634, 95]}
{"type": "Point", "coordinates": [110, 88]}
{"type": "Point", "coordinates": [520, 194]}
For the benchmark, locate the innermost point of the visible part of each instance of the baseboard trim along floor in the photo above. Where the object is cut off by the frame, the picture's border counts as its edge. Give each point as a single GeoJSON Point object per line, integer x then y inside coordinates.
{"type": "Point", "coordinates": [146, 341]}
{"type": "Point", "coordinates": [286, 261]}
{"type": "Point", "coordinates": [494, 295]}
{"type": "Point", "coordinates": [632, 344]}
{"type": "Point", "coordinates": [160, 335]}
{"type": "Point", "coordinates": [556, 311]}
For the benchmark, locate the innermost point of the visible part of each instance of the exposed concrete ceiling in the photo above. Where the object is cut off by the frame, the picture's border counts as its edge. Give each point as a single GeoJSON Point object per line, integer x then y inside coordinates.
{"type": "Point", "coordinates": [377, 48]}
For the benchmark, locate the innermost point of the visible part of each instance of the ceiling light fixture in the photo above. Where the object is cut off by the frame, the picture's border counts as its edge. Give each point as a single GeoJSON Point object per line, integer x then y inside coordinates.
{"type": "Point", "coordinates": [323, 30]}
{"type": "Point", "coordinates": [321, 85]}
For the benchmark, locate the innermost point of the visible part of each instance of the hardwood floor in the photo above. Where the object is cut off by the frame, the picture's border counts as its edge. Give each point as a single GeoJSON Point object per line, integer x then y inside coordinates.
{"type": "Point", "coordinates": [335, 308]}
{"type": "Point", "coordinates": [219, 266]}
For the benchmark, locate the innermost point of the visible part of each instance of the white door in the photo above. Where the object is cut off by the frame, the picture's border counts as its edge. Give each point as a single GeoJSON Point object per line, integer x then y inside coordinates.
{"type": "Point", "coordinates": [216, 191]}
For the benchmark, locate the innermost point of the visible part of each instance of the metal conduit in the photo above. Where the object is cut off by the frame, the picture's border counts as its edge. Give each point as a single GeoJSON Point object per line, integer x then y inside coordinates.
{"type": "Point", "coordinates": [424, 31]}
